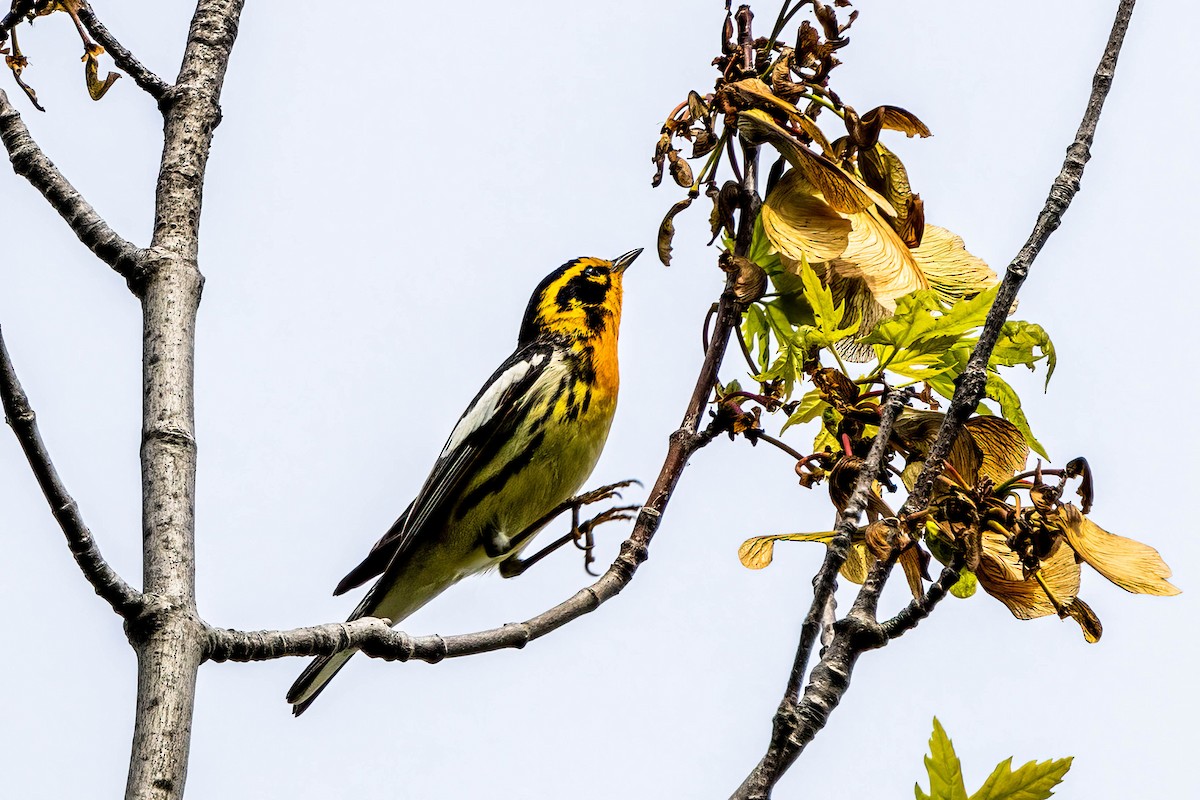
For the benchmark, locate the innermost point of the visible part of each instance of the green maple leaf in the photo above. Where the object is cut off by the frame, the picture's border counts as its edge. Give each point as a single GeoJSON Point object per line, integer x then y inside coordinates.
{"type": "Point", "coordinates": [1033, 781]}
{"type": "Point", "coordinates": [945, 770]}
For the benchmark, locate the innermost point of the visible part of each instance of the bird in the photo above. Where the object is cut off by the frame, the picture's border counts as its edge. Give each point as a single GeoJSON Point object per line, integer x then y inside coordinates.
{"type": "Point", "coordinates": [525, 445]}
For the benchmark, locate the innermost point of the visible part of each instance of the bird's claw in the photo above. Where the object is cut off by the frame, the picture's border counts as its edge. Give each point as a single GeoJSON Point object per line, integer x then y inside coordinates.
{"type": "Point", "coordinates": [603, 493]}
{"type": "Point", "coordinates": [582, 533]}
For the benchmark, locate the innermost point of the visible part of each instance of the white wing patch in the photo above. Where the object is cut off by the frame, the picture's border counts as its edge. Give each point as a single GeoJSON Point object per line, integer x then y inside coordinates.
{"type": "Point", "coordinates": [482, 410]}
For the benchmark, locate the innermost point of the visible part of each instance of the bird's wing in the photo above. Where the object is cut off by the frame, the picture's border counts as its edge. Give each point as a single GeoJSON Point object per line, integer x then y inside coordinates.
{"type": "Point", "coordinates": [484, 428]}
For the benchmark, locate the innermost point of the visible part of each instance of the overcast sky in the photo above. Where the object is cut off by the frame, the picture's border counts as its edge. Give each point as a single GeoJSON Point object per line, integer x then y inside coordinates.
{"type": "Point", "coordinates": [384, 192]}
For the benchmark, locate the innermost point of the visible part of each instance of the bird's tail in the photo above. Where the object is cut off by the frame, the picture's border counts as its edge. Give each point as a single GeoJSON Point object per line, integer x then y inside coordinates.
{"type": "Point", "coordinates": [320, 672]}
{"type": "Point", "coordinates": [314, 679]}
{"type": "Point", "coordinates": [394, 603]}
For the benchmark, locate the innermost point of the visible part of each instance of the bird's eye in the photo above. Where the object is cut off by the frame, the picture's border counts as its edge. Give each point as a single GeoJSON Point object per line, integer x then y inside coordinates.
{"type": "Point", "coordinates": [593, 271]}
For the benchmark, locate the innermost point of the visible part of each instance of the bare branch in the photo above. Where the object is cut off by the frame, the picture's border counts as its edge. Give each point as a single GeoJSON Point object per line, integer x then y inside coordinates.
{"type": "Point", "coordinates": [143, 77]}
{"type": "Point", "coordinates": [31, 163]}
{"type": "Point", "coordinates": [124, 599]}
{"type": "Point", "coordinates": [796, 725]}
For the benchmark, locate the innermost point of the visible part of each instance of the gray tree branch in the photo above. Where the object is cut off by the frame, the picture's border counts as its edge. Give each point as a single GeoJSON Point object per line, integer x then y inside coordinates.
{"type": "Point", "coordinates": [795, 726]}
{"type": "Point", "coordinates": [170, 638]}
{"type": "Point", "coordinates": [124, 599]}
{"type": "Point", "coordinates": [31, 163]}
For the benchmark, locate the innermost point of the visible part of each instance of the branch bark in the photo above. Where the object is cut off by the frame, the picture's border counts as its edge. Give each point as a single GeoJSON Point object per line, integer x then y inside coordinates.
{"type": "Point", "coordinates": [31, 163]}
{"type": "Point", "coordinates": [124, 599]}
{"type": "Point", "coordinates": [169, 637]}
{"type": "Point", "coordinates": [794, 727]}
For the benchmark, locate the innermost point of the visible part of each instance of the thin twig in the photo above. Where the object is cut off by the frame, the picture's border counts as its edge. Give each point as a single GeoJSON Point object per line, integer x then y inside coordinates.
{"type": "Point", "coordinates": [917, 610]}
{"type": "Point", "coordinates": [795, 727]}
{"type": "Point", "coordinates": [124, 599]}
{"type": "Point", "coordinates": [31, 163]}
{"type": "Point", "coordinates": [155, 86]}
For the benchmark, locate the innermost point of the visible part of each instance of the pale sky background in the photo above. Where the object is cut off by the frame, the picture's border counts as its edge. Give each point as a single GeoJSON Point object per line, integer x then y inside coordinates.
{"type": "Point", "coordinates": [386, 189]}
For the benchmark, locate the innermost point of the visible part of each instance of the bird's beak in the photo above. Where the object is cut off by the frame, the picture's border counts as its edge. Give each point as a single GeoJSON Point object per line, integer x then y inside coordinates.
{"type": "Point", "coordinates": [621, 263]}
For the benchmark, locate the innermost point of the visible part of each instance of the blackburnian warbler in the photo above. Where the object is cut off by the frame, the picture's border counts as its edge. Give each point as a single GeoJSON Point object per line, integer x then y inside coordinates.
{"type": "Point", "coordinates": [525, 444]}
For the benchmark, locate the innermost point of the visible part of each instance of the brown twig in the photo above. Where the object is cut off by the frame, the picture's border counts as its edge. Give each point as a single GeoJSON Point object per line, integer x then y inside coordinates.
{"type": "Point", "coordinates": [31, 163]}
{"type": "Point", "coordinates": [794, 726]}
{"type": "Point", "coordinates": [124, 599]}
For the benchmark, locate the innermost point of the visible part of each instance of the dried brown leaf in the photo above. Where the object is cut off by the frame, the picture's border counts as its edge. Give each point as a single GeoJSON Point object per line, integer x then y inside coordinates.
{"type": "Point", "coordinates": [1082, 613]}
{"type": "Point", "coordinates": [898, 119]}
{"type": "Point", "coordinates": [666, 230]}
{"type": "Point", "coordinates": [842, 191]}
{"type": "Point", "coordinates": [96, 87]}
{"type": "Point", "coordinates": [681, 171]}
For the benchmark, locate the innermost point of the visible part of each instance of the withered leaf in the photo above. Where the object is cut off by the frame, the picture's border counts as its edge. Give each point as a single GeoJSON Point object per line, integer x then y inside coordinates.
{"type": "Point", "coordinates": [912, 228]}
{"type": "Point", "coordinates": [724, 203]}
{"type": "Point", "coordinates": [842, 191]}
{"type": "Point", "coordinates": [661, 148]}
{"type": "Point", "coordinates": [952, 270]}
{"type": "Point", "coordinates": [988, 447]}
{"type": "Point", "coordinates": [1082, 613]}
{"type": "Point", "coordinates": [1002, 444]}
{"type": "Point", "coordinates": [835, 388]}
{"type": "Point", "coordinates": [1133, 566]}
{"type": "Point", "coordinates": [704, 143]}
{"type": "Point", "coordinates": [681, 171]}
{"type": "Point", "coordinates": [863, 132]}
{"type": "Point", "coordinates": [884, 172]}
{"type": "Point", "coordinates": [96, 87]}
{"type": "Point", "coordinates": [877, 255]}
{"type": "Point", "coordinates": [666, 230]}
{"type": "Point", "coordinates": [856, 565]}
{"type": "Point", "coordinates": [913, 560]}
{"type": "Point", "coordinates": [751, 281]}
{"type": "Point", "coordinates": [1078, 468]}
{"type": "Point", "coordinates": [897, 119]}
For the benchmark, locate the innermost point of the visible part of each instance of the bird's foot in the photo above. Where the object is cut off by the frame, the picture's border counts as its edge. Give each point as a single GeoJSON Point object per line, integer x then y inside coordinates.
{"type": "Point", "coordinates": [581, 534]}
